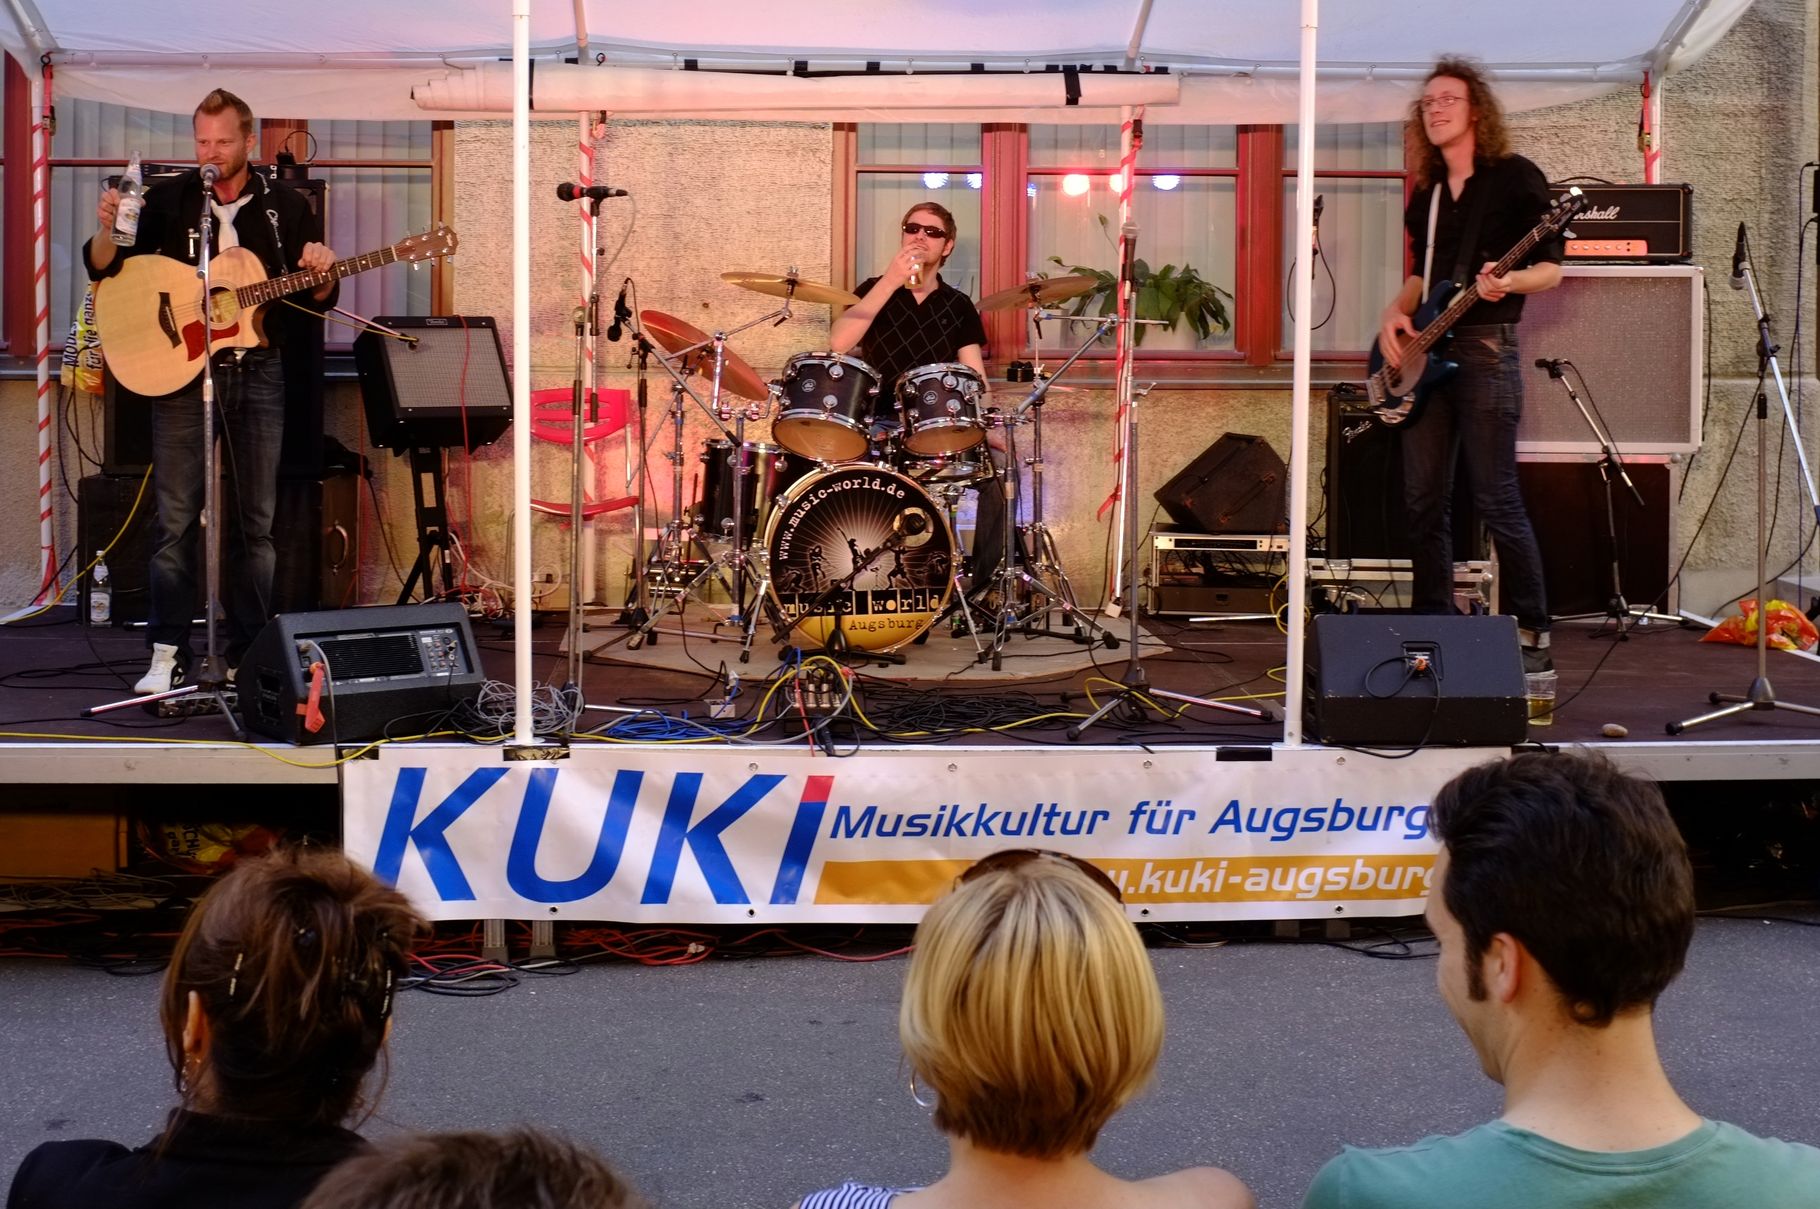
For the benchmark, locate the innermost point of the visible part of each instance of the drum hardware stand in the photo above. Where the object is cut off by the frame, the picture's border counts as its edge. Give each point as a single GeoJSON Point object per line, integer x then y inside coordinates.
{"type": "Point", "coordinates": [737, 555]}
{"type": "Point", "coordinates": [1050, 582]}
{"type": "Point", "coordinates": [1617, 609]}
{"type": "Point", "coordinates": [1135, 684]}
{"type": "Point", "coordinates": [1761, 695]}
{"type": "Point", "coordinates": [210, 681]}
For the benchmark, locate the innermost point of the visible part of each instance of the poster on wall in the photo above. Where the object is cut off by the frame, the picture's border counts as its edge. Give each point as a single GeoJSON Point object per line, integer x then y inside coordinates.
{"type": "Point", "coordinates": [698, 836]}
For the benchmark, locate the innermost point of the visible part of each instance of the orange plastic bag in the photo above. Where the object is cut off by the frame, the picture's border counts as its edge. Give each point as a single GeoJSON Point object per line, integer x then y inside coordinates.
{"type": "Point", "coordinates": [1789, 628]}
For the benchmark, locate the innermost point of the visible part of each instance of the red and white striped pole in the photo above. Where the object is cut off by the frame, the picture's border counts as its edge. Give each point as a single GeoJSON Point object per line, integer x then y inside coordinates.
{"type": "Point", "coordinates": [41, 325]}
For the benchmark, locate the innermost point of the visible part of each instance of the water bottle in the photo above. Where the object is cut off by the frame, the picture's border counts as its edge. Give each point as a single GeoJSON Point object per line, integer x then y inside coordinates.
{"type": "Point", "coordinates": [132, 199]}
{"type": "Point", "coordinates": [100, 593]}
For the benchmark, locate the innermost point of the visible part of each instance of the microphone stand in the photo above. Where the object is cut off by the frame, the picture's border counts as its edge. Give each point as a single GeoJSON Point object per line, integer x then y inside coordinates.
{"type": "Point", "coordinates": [1611, 465]}
{"type": "Point", "coordinates": [1761, 695]}
{"type": "Point", "coordinates": [211, 676]}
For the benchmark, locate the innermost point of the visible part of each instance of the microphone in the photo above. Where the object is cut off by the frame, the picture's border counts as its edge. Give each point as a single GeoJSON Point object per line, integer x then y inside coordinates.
{"type": "Point", "coordinates": [1551, 364]}
{"type": "Point", "coordinates": [1319, 200]}
{"type": "Point", "coordinates": [620, 314]}
{"type": "Point", "coordinates": [1738, 260]}
{"type": "Point", "coordinates": [911, 523]}
{"type": "Point", "coordinates": [569, 191]}
{"type": "Point", "coordinates": [211, 174]}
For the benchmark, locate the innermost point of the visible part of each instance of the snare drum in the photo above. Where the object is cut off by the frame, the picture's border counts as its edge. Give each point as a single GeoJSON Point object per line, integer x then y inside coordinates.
{"type": "Point", "coordinates": [948, 470]}
{"type": "Point", "coordinates": [770, 470]}
{"type": "Point", "coordinates": [825, 409]}
{"type": "Point", "coordinates": [940, 408]}
{"type": "Point", "coordinates": [828, 524]}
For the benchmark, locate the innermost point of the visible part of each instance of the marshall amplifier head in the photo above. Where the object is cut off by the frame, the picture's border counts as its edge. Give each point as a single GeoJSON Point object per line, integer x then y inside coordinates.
{"type": "Point", "coordinates": [1631, 224]}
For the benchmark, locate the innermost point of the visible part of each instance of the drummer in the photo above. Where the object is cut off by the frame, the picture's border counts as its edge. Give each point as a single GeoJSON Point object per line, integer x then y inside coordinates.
{"type": "Point", "coordinates": [899, 326]}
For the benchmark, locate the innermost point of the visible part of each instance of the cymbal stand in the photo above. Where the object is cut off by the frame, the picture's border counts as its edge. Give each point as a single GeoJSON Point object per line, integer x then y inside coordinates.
{"type": "Point", "coordinates": [1761, 695]}
{"type": "Point", "coordinates": [1617, 609]}
{"type": "Point", "coordinates": [1012, 573]}
{"type": "Point", "coordinates": [735, 557]}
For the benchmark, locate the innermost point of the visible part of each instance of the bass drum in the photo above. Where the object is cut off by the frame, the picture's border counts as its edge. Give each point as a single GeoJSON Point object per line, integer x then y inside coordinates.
{"type": "Point", "coordinates": [844, 517]}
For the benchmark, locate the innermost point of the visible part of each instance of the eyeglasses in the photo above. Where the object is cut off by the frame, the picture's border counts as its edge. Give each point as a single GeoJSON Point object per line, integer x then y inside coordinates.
{"type": "Point", "coordinates": [1012, 858]}
{"type": "Point", "coordinates": [1430, 104]}
{"type": "Point", "coordinates": [915, 228]}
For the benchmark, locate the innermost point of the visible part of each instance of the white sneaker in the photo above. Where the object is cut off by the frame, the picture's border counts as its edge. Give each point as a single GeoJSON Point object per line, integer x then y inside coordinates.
{"type": "Point", "coordinates": [164, 672]}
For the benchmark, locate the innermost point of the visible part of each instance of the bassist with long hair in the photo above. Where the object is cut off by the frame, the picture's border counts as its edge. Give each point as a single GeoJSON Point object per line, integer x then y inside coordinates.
{"type": "Point", "coordinates": [1474, 200]}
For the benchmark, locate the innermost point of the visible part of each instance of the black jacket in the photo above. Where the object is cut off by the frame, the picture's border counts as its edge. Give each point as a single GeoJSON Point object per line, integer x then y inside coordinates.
{"type": "Point", "coordinates": [274, 225]}
{"type": "Point", "coordinates": [218, 1162]}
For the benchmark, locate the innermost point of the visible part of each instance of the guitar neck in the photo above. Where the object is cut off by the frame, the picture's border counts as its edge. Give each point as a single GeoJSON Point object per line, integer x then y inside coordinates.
{"type": "Point", "coordinates": [273, 288]}
{"type": "Point", "coordinates": [1464, 298]}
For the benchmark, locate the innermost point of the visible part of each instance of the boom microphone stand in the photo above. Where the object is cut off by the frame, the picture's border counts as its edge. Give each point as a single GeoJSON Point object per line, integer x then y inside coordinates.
{"type": "Point", "coordinates": [1611, 466]}
{"type": "Point", "coordinates": [1760, 695]}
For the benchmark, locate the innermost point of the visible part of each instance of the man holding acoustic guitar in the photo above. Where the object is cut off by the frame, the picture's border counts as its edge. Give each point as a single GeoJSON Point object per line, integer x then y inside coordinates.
{"type": "Point", "coordinates": [1475, 202]}
{"type": "Point", "coordinates": [275, 225]}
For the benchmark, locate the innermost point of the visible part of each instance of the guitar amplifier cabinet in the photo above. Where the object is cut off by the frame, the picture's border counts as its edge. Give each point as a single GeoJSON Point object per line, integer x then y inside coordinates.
{"type": "Point", "coordinates": [1634, 332]}
{"type": "Point", "coordinates": [1649, 224]}
{"type": "Point", "coordinates": [446, 379]}
{"type": "Point", "coordinates": [1235, 485]}
{"type": "Point", "coordinates": [103, 504]}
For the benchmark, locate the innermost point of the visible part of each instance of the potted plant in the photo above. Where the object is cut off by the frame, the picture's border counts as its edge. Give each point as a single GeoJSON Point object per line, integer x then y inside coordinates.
{"type": "Point", "coordinates": [1172, 294]}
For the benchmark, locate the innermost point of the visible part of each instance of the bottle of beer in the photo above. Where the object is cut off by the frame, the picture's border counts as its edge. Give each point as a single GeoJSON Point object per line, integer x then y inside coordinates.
{"type": "Point", "coordinates": [132, 199]}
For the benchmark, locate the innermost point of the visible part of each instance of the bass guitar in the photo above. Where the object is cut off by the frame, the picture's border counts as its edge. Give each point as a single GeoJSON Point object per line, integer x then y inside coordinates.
{"type": "Point", "coordinates": [1397, 392]}
{"type": "Point", "coordinates": [150, 318]}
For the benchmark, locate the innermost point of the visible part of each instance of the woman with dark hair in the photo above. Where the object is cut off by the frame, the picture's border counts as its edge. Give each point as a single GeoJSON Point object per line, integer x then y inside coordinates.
{"type": "Point", "coordinates": [1031, 1015]}
{"type": "Point", "coordinates": [275, 1008]}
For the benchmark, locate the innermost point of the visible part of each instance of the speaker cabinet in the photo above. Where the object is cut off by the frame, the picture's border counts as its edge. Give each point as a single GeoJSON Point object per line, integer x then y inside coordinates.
{"type": "Point", "coordinates": [1365, 513]}
{"type": "Point", "coordinates": [1235, 485]}
{"type": "Point", "coordinates": [126, 435]}
{"type": "Point", "coordinates": [381, 664]}
{"type": "Point", "coordinates": [315, 525]}
{"type": "Point", "coordinates": [1366, 686]}
{"type": "Point", "coordinates": [446, 380]}
{"type": "Point", "coordinates": [1567, 508]}
{"type": "Point", "coordinates": [103, 504]}
{"type": "Point", "coordinates": [1634, 332]}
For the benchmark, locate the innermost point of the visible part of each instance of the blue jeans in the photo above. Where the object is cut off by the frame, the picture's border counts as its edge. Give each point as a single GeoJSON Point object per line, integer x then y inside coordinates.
{"type": "Point", "coordinates": [1473, 416]}
{"type": "Point", "coordinates": [249, 405]}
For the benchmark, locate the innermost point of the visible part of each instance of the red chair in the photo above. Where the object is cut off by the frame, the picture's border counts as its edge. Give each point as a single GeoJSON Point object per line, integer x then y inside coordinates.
{"type": "Point", "coordinates": [553, 420]}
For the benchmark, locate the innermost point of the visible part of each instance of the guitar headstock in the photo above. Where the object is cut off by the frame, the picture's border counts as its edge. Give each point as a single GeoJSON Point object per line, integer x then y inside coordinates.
{"type": "Point", "coordinates": [1566, 206]}
{"type": "Point", "coordinates": [439, 242]}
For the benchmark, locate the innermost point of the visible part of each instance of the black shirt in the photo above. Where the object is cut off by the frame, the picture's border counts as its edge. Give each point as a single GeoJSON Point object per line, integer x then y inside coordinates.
{"type": "Point", "coordinates": [1516, 198]}
{"type": "Point", "coordinates": [273, 225]}
{"type": "Point", "coordinates": [906, 333]}
{"type": "Point", "coordinates": [220, 1162]}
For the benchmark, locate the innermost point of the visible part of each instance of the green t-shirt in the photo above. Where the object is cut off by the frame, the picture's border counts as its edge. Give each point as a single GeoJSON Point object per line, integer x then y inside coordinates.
{"type": "Point", "coordinates": [1498, 1166]}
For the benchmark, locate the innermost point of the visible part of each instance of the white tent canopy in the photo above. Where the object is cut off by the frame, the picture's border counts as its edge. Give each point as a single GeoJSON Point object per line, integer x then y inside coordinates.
{"type": "Point", "coordinates": [356, 59]}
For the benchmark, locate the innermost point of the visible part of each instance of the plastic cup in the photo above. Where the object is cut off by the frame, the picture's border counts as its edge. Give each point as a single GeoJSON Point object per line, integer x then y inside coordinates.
{"type": "Point", "coordinates": [1539, 691]}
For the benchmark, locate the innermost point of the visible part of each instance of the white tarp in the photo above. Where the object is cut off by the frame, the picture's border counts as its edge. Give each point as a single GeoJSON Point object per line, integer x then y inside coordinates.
{"type": "Point", "coordinates": [355, 59]}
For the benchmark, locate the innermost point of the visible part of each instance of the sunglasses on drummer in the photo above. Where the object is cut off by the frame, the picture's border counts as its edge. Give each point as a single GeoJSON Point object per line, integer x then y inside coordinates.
{"type": "Point", "coordinates": [914, 228]}
{"type": "Point", "coordinates": [1013, 858]}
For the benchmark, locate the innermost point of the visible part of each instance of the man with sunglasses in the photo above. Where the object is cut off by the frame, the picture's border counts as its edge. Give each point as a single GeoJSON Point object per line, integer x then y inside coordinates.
{"type": "Point", "coordinates": [1474, 200]}
{"type": "Point", "coordinates": [907, 317]}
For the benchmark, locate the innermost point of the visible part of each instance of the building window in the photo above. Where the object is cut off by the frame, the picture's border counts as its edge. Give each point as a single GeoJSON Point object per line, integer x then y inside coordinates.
{"type": "Point", "coordinates": [898, 166]}
{"type": "Point", "coordinates": [1359, 175]}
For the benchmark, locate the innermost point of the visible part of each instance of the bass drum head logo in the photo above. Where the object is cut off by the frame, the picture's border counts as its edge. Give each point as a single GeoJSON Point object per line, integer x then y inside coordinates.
{"type": "Point", "coordinates": [873, 538]}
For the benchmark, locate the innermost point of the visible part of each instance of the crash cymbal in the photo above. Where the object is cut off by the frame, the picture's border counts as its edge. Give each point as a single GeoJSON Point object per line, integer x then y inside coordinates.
{"type": "Point", "coordinates": [673, 335]}
{"type": "Point", "coordinates": [1039, 293]}
{"type": "Point", "coordinates": [790, 286]}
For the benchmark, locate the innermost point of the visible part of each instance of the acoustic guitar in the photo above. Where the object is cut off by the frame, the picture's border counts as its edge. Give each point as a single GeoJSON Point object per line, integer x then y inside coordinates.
{"type": "Point", "coordinates": [149, 314]}
{"type": "Point", "coordinates": [1398, 391]}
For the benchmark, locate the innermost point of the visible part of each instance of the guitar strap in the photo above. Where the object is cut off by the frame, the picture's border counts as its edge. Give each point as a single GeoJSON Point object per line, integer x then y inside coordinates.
{"type": "Point", "coordinates": [1469, 236]}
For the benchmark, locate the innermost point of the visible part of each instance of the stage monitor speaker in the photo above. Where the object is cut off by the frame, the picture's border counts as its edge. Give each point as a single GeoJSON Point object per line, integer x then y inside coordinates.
{"type": "Point", "coordinates": [1365, 513]}
{"type": "Point", "coordinates": [1635, 334]}
{"type": "Point", "coordinates": [1365, 685]}
{"type": "Point", "coordinates": [383, 664]}
{"type": "Point", "coordinates": [103, 503]}
{"type": "Point", "coordinates": [1236, 485]}
{"type": "Point", "coordinates": [446, 378]}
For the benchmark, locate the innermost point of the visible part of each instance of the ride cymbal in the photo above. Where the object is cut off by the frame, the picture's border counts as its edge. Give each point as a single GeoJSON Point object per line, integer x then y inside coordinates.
{"type": "Point", "coordinates": [792, 287]}
{"type": "Point", "coordinates": [673, 335]}
{"type": "Point", "coordinates": [1040, 292]}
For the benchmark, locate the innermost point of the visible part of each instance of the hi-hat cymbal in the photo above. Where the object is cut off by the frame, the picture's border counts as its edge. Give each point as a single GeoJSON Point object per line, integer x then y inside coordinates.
{"type": "Point", "coordinates": [1041, 292]}
{"type": "Point", "coordinates": [674, 335]}
{"type": "Point", "coordinates": [791, 286]}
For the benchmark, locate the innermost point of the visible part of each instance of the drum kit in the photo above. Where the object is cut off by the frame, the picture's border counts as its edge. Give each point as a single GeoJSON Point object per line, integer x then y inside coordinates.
{"type": "Point", "coordinates": [841, 528]}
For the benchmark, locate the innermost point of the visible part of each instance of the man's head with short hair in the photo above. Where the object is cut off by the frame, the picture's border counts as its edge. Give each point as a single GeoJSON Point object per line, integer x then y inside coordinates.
{"type": "Point", "coordinates": [1580, 864]}
{"type": "Point", "coordinates": [516, 1169]}
{"type": "Point", "coordinates": [1030, 1009]}
{"type": "Point", "coordinates": [221, 101]}
{"type": "Point", "coordinates": [939, 250]}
